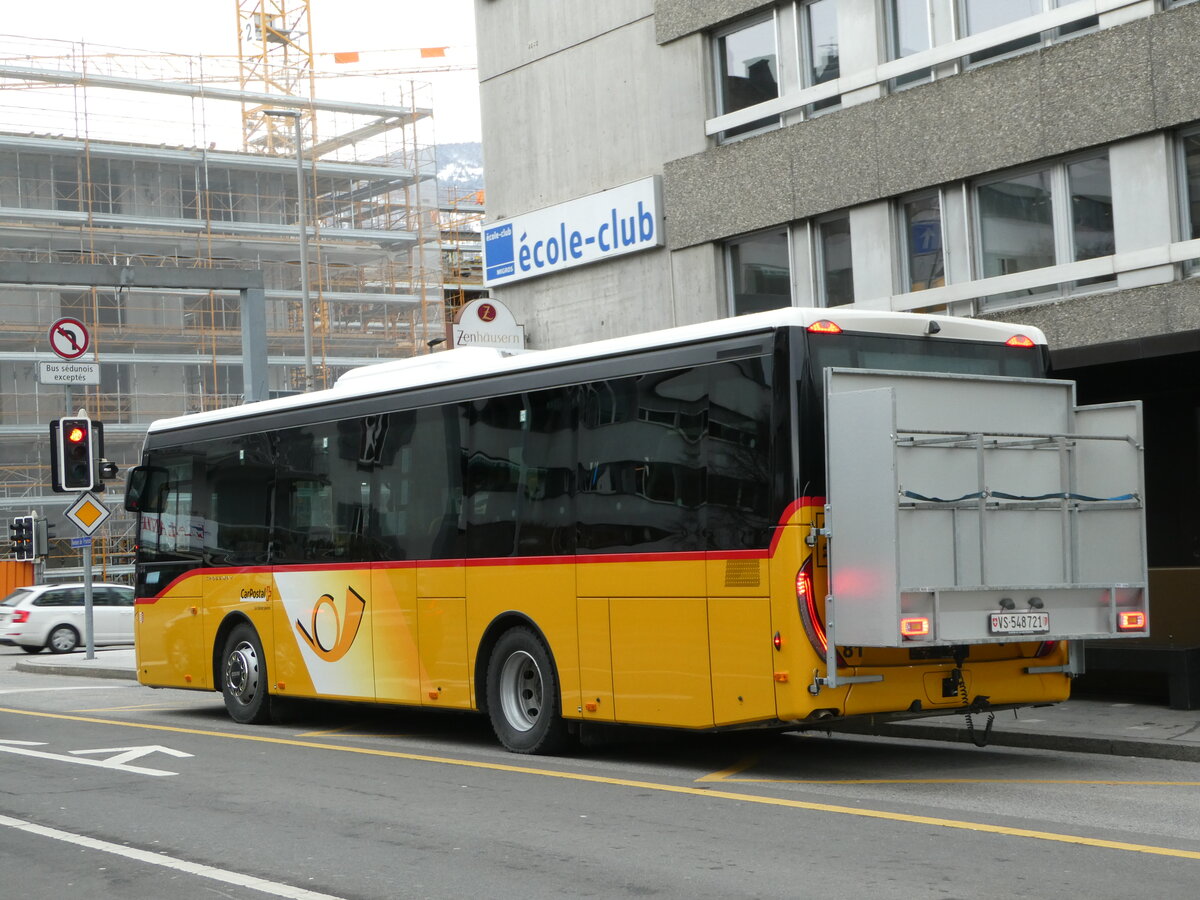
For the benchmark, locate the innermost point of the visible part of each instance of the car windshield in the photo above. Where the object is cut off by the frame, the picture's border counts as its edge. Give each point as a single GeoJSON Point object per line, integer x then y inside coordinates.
{"type": "Point", "coordinates": [15, 597]}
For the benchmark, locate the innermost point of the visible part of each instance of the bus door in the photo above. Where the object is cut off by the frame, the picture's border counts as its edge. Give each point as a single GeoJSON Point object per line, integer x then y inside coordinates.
{"type": "Point", "coordinates": [168, 594]}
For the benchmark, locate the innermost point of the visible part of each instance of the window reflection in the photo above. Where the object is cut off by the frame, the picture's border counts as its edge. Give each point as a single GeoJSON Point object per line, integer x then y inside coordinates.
{"type": "Point", "coordinates": [821, 47]}
{"type": "Point", "coordinates": [923, 236]}
{"type": "Point", "coordinates": [909, 27]}
{"type": "Point", "coordinates": [748, 72]}
{"type": "Point", "coordinates": [1016, 224]}
{"type": "Point", "coordinates": [1191, 164]}
{"type": "Point", "coordinates": [1091, 212]}
{"type": "Point", "coordinates": [759, 270]}
{"type": "Point", "coordinates": [834, 261]}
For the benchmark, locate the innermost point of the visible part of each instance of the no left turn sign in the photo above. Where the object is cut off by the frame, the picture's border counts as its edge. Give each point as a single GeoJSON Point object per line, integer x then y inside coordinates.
{"type": "Point", "coordinates": [69, 338]}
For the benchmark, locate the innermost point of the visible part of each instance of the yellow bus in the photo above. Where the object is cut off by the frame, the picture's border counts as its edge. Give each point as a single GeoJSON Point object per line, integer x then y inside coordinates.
{"type": "Point", "coordinates": [635, 531]}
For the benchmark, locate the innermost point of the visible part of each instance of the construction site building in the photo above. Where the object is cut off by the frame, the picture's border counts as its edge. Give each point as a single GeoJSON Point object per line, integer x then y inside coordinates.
{"type": "Point", "coordinates": [137, 160]}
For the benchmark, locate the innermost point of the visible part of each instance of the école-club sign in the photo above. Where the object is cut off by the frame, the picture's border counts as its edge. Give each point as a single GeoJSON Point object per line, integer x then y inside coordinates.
{"type": "Point", "coordinates": [611, 223]}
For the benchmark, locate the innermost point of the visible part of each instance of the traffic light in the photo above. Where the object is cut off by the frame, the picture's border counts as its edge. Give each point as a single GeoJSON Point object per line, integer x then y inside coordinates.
{"type": "Point", "coordinates": [21, 536]}
{"type": "Point", "coordinates": [75, 454]}
{"type": "Point", "coordinates": [42, 532]}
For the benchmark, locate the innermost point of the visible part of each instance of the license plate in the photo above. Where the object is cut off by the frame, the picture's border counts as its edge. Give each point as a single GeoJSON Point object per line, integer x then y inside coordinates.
{"type": "Point", "coordinates": [1019, 622]}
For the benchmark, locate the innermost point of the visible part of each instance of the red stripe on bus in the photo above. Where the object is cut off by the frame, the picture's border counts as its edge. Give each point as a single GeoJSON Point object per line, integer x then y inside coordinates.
{"type": "Point", "coordinates": [477, 562]}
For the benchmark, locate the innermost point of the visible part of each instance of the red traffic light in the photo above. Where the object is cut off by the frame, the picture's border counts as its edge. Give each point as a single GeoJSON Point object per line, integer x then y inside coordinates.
{"type": "Point", "coordinates": [77, 447]}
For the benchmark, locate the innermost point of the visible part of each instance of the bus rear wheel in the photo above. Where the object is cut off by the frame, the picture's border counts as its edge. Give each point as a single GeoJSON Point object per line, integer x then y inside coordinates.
{"type": "Point", "coordinates": [244, 677]}
{"type": "Point", "coordinates": [523, 698]}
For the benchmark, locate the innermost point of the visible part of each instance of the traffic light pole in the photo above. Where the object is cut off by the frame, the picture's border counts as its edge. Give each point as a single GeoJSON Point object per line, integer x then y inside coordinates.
{"type": "Point", "coordinates": [89, 633]}
{"type": "Point", "coordinates": [74, 467]}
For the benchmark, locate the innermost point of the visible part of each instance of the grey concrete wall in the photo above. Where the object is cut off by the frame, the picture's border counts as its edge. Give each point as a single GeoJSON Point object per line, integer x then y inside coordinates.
{"type": "Point", "coordinates": [591, 117]}
{"type": "Point", "coordinates": [1097, 88]}
{"type": "Point", "coordinates": [595, 105]}
{"type": "Point", "coordinates": [676, 18]}
{"type": "Point", "coordinates": [622, 296]}
{"type": "Point", "coordinates": [1097, 319]}
{"type": "Point", "coordinates": [514, 33]}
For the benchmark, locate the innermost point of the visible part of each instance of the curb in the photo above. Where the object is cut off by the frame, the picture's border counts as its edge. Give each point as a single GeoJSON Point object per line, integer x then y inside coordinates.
{"type": "Point", "coordinates": [1075, 743]}
{"type": "Point", "coordinates": [76, 669]}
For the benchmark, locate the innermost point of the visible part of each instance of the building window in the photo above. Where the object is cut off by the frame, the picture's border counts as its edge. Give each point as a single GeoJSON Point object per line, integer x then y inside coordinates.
{"type": "Point", "coordinates": [759, 272]}
{"type": "Point", "coordinates": [835, 267]}
{"type": "Point", "coordinates": [1089, 184]}
{"type": "Point", "coordinates": [924, 261]}
{"type": "Point", "coordinates": [983, 15]}
{"type": "Point", "coordinates": [908, 23]}
{"type": "Point", "coordinates": [747, 72]}
{"type": "Point", "coordinates": [1190, 145]}
{"type": "Point", "coordinates": [820, 41]}
{"type": "Point", "coordinates": [1016, 224]}
{"type": "Point", "coordinates": [1046, 217]}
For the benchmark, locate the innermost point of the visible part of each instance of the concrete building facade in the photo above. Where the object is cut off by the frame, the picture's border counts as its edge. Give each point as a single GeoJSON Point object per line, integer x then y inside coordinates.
{"type": "Point", "coordinates": [1032, 161]}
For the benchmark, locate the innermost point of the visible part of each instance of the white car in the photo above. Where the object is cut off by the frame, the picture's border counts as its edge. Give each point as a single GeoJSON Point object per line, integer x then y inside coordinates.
{"type": "Point", "coordinates": [52, 615]}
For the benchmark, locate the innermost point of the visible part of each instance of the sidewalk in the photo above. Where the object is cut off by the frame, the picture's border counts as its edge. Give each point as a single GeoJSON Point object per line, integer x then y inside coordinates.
{"type": "Point", "coordinates": [109, 662]}
{"type": "Point", "coordinates": [1081, 725]}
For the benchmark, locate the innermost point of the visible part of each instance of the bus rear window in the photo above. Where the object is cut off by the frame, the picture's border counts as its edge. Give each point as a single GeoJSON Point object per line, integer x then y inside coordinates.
{"type": "Point", "coordinates": [923, 354]}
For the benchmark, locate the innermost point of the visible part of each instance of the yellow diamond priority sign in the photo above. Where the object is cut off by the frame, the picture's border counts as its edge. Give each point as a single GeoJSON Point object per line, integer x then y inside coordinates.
{"type": "Point", "coordinates": [88, 513]}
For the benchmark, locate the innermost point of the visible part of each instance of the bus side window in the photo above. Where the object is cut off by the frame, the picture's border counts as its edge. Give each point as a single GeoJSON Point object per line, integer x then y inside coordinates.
{"type": "Point", "coordinates": [319, 496]}
{"type": "Point", "coordinates": [239, 476]}
{"type": "Point", "coordinates": [738, 455]}
{"type": "Point", "coordinates": [642, 448]}
{"type": "Point", "coordinates": [416, 494]}
{"type": "Point", "coordinates": [520, 474]}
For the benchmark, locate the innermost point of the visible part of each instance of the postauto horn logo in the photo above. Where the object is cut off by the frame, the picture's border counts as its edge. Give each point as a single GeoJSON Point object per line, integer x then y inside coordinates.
{"type": "Point", "coordinates": [328, 636]}
{"type": "Point", "coordinates": [623, 220]}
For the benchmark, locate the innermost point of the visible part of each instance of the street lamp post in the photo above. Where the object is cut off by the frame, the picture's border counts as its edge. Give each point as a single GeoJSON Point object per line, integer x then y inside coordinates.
{"type": "Point", "coordinates": [302, 221]}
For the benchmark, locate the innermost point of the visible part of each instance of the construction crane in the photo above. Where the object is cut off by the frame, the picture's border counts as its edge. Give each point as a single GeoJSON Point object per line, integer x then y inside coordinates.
{"type": "Point", "coordinates": [275, 56]}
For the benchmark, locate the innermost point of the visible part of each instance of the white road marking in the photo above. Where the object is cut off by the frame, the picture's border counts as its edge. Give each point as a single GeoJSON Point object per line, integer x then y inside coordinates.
{"type": "Point", "coordinates": [116, 763]}
{"type": "Point", "coordinates": [274, 888]}
{"type": "Point", "coordinates": [125, 754]}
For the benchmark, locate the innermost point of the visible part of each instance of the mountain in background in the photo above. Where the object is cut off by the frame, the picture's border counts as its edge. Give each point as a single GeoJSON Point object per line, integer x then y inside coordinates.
{"type": "Point", "coordinates": [459, 168]}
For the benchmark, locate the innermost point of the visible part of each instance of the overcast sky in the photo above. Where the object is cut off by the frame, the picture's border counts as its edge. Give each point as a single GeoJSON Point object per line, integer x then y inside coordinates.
{"type": "Point", "coordinates": [210, 27]}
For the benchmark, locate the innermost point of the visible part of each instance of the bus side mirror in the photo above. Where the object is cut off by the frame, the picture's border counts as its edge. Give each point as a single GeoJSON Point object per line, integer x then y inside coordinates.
{"type": "Point", "coordinates": [145, 489]}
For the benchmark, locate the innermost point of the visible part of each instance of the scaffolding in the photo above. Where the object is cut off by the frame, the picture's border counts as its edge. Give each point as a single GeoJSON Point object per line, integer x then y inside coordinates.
{"type": "Point", "coordinates": [460, 226]}
{"type": "Point", "coordinates": [138, 159]}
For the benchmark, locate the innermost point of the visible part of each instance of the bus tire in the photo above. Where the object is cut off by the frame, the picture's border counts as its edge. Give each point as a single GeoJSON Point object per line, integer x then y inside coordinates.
{"type": "Point", "coordinates": [244, 677]}
{"type": "Point", "coordinates": [523, 698]}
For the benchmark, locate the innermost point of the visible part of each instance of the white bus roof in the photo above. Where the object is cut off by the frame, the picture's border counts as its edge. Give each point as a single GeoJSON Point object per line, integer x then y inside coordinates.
{"type": "Point", "coordinates": [474, 362]}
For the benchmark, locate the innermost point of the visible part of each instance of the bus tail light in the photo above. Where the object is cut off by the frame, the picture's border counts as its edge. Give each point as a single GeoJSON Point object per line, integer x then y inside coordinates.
{"type": "Point", "coordinates": [809, 614]}
{"type": "Point", "coordinates": [913, 627]}
{"type": "Point", "coordinates": [1131, 621]}
{"type": "Point", "coordinates": [1045, 648]}
{"type": "Point", "coordinates": [1020, 340]}
{"type": "Point", "coordinates": [824, 326]}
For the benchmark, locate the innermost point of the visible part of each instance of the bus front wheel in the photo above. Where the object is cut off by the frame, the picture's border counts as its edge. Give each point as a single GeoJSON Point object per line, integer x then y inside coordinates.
{"type": "Point", "coordinates": [244, 677]}
{"type": "Point", "coordinates": [523, 696]}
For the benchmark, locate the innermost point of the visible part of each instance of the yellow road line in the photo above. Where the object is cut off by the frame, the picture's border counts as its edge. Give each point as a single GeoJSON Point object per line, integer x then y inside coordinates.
{"type": "Point", "coordinates": [846, 781]}
{"type": "Point", "coordinates": [346, 732]}
{"type": "Point", "coordinates": [725, 776]}
{"type": "Point", "coordinates": [645, 786]}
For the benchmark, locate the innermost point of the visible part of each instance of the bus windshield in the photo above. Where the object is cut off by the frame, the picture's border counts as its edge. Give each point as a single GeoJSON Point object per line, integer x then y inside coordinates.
{"type": "Point", "coordinates": [923, 354]}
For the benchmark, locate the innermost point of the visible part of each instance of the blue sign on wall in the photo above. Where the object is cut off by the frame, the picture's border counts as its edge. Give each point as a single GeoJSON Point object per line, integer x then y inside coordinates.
{"type": "Point", "coordinates": [611, 223]}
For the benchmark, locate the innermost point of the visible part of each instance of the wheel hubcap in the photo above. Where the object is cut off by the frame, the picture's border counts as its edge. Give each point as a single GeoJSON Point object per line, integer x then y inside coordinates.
{"type": "Point", "coordinates": [521, 691]}
{"type": "Point", "coordinates": [62, 640]}
{"type": "Point", "coordinates": [241, 672]}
